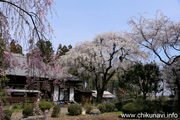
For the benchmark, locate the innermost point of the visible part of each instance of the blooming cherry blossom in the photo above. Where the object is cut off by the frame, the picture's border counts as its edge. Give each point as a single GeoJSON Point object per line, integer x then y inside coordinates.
{"type": "Point", "coordinates": [102, 57]}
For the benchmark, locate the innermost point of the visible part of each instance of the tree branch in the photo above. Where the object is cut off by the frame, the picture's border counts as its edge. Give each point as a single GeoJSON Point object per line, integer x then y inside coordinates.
{"type": "Point", "coordinates": [12, 4]}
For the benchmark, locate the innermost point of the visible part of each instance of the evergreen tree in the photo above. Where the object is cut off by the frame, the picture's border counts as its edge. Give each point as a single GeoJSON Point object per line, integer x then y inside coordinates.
{"type": "Point", "coordinates": [46, 49]}
{"type": "Point", "coordinates": [15, 48]}
{"type": "Point", "coordinates": [147, 77]}
{"type": "Point", "coordinates": [62, 50]}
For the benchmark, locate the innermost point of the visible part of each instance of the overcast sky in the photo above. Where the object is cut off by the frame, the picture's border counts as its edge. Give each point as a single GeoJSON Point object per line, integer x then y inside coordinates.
{"type": "Point", "coordinates": [81, 20]}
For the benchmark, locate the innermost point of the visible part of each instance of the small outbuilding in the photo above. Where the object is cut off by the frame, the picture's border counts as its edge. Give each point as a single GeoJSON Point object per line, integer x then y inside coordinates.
{"type": "Point", "coordinates": [107, 96]}
{"type": "Point", "coordinates": [84, 96]}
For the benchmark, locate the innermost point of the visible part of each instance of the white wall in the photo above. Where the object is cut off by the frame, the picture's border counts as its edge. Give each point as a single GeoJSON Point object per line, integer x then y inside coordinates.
{"type": "Point", "coordinates": [56, 93]}
{"type": "Point", "coordinates": [71, 93]}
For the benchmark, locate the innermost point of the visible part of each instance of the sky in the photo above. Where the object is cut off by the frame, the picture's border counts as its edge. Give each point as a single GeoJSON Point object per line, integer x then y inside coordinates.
{"type": "Point", "coordinates": [80, 20]}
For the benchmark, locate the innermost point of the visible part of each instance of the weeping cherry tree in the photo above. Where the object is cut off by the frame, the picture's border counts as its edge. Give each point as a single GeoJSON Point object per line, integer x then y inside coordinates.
{"type": "Point", "coordinates": [102, 57]}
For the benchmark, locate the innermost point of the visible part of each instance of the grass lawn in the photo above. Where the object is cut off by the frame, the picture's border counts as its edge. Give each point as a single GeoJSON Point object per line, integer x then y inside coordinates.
{"type": "Point", "coordinates": [117, 113]}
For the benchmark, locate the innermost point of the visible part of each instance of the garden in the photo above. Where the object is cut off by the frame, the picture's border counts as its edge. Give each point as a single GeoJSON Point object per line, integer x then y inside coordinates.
{"type": "Point", "coordinates": [73, 111]}
{"type": "Point", "coordinates": [103, 111]}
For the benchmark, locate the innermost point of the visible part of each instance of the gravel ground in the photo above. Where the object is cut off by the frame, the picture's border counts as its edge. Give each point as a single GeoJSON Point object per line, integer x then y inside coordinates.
{"type": "Point", "coordinates": [16, 116]}
{"type": "Point", "coordinates": [64, 116]}
{"type": "Point", "coordinates": [104, 116]}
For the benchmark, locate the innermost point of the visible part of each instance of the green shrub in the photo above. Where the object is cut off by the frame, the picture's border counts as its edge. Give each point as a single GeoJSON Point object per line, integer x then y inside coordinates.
{"type": "Point", "coordinates": [163, 99]}
{"type": "Point", "coordinates": [131, 95]}
{"type": "Point", "coordinates": [102, 108]}
{"type": "Point", "coordinates": [140, 97]}
{"type": "Point", "coordinates": [167, 108]}
{"type": "Point", "coordinates": [25, 103]}
{"type": "Point", "coordinates": [170, 106]}
{"type": "Point", "coordinates": [83, 103]}
{"type": "Point", "coordinates": [109, 107]}
{"type": "Point", "coordinates": [132, 107]}
{"type": "Point", "coordinates": [45, 105]}
{"type": "Point", "coordinates": [17, 106]}
{"type": "Point", "coordinates": [28, 110]}
{"type": "Point", "coordinates": [140, 101]}
{"type": "Point", "coordinates": [74, 109]}
{"type": "Point", "coordinates": [160, 102]}
{"type": "Point", "coordinates": [118, 105]}
{"type": "Point", "coordinates": [160, 105]}
{"type": "Point", "coordinates": [140, 105]}
{"type": "Point", "coordinates": [128, 101]}
{"type": "Point", "coordinates": [149, 106]}
{"type": "Point", "coordinates": [56, 111]}
{"type": "Point", "coordinates": [8, 113]}
{"type": "Point", "coordinates": [88, 108]}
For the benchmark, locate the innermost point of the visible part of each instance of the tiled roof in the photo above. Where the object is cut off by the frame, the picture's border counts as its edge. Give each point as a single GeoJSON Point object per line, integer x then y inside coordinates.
{"type": "Point", "coordinates": [84, 91]}
{"type": "Point", "coordinates": [20, 70]}
{"type": "Point", "coordinates": [106, 94]}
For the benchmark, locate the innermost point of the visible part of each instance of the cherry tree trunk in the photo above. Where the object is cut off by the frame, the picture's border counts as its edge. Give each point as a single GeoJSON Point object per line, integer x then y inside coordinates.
{"type": "Point", "coordinates": [99, 95]}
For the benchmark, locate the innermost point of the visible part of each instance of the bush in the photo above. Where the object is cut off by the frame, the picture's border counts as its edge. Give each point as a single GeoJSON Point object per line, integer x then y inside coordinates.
{"type": "Point", "coordinates": [109, 107]}
{"type": "Point", "coordinates": [140, 105]}
{"type": "Point", "coordinates": [160, 105]}
{"type": "Point", "coordinates": [131, 95]}
{"type": "Point", "coordinates": [160, 102]}
{"type": "Point", "coordinates": [88, 108]}
{"type": "Point", "coordinates": [140, 97]}
{"type": "Point", "coordinates": [56, 111]}
{"type": "Point", "coordinates": [28, 110]}
{"type": "Point", "coordinates": [129, 101]}
{"type": "Point", "coordinates": [8, 113]}
{"type": "Point", "coordinates": [102, 108]}
{"type": "Point", "coordinates": [170, 106]}
{"type": "Point", "coordinates": [83, 103]}
{"type": "Point", "coordinates": [149, 106]}
{"type": "Point", "coordinates": [118, 105]}
{"type": "Point", "coordinates": [17, 106]}
{"type": "Point", "coordinates": [45, 105]}
{"type": "Point", "coordinates": [163, 99]}
{"type": "Point", "coordinates": [167, 108]}
{"type": "Point", "coordinates": [132, 107]}
{"type": "Point", "coordinates": [140, 101]}
{"type": "Point", "coordinates": [75, 109]}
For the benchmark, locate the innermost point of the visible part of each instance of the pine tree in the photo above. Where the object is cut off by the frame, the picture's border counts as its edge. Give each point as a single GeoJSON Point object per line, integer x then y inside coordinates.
{"type": "Point", "coordinates": [46, 49]}
{"type": "Point", "coordinates": [15, 48]}
{"type": "Point", "coordinates": [62, 50]}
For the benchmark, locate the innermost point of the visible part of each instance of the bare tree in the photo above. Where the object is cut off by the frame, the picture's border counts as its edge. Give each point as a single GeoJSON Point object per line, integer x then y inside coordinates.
{"type": "Point", "coordinates": [159, 35]}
